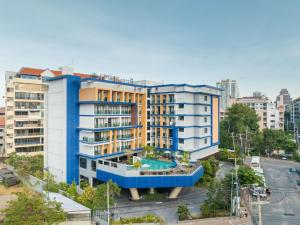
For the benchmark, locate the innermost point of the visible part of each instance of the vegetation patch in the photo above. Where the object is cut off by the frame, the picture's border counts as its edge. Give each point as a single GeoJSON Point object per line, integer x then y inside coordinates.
{"type": "Point", "coordinates": [24, 165]}
{"type": "Point", "coordinates": [150, 218]}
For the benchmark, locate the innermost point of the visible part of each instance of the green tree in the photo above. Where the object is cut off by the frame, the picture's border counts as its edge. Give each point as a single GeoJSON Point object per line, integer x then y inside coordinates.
{"type": "Point", "coordinates": [33, 210]}
{"type": "Point", "coordinates": [87, 197]}
{"type": "Point", "coordinates": [240, 118]}
{"type": "Point", "coordinates": [183, 212]}
{"type": "Point", "coordinates": [100, 198]}
{"type": "Point", "coordinates": [247, 176]}
{"type": "Point", "coordinates": [72, 190]}
{"type": "Point", "coordinates": [210, 166]}
{"type": "Point", "coordinates": [218, 199]}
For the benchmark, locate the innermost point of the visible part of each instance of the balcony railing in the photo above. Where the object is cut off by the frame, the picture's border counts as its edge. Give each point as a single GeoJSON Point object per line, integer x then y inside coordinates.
{"type": "Point", "coordinates": [92, 140]}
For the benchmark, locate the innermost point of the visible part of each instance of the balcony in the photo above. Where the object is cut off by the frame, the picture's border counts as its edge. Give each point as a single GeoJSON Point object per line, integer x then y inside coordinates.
{"type": "Point", "coordinates": [125, 137]}
{"type": "Point", "coordinates": [95, 140]}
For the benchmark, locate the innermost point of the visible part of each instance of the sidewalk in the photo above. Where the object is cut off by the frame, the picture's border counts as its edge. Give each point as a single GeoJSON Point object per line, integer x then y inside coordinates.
{"type": "Point", "coordinates": [218, 221]}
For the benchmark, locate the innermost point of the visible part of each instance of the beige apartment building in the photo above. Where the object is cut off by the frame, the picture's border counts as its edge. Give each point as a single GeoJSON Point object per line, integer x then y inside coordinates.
{"type": "Point", "coordinates": [25, 99]}
{"type": "Point", "coordinates": [270, 116]}
{"type": "Point", "coordinates": [2, 130]}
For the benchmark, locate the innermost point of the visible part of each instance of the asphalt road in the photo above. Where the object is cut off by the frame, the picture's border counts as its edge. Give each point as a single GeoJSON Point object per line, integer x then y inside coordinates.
{"type": "Point", "coordinates": [167, 209]}
{"type": "Point", "coordinates": [284, 205]}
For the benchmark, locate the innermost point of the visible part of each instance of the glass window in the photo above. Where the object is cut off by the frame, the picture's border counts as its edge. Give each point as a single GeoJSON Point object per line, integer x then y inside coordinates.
{"type": "Point", "coordinates": [205, 108]}
{"type": "Point", "coordinates": [205, 98]}
{"type": "Point", "coordinates": [181, 106]}
{"type": "Point", "coordinates": [205, 119]}
{"type": "Point", "coordinates": [93, 165]}
{"type": "Point", "coordinates": [205, 141]}
{"type": "Point", "coordinates": [181, 129]}
{"type": "Point", "coordinates": [83, 162]}
{"type": "Point", "coordinates": [181, 117]}
{"type": "Point", "coordinates": [205, 130]}
{"type": "Point", "coordinates": [181, 141]}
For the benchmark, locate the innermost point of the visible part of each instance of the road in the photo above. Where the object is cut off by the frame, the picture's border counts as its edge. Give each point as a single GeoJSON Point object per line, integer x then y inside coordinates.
{"type": "Point", "coordinates": [166, 209]}
{"type": "Point", "coordinates": [284, 205]}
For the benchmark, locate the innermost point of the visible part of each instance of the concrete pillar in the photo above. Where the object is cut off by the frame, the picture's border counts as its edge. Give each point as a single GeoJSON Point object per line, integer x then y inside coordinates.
{"type": "Point", "coordinates": [134, 194]}
{"type": "Point", "coordinates": [152, 191]}
{"type": "Point", "coordinates": [175, 192]}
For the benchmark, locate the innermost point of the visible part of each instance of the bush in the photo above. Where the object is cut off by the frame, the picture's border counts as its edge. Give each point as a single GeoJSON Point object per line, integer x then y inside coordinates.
{"type": "Point", "coordinates": [150, 218]}
{"type": "Point", "coordinates": [183, 212]}
{"type": "Point", "coordinates": [211, 166]}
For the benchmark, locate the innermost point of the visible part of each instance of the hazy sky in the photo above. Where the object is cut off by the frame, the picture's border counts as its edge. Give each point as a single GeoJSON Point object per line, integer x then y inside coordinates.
{"type": "Point", "coordinates": [201, 41]}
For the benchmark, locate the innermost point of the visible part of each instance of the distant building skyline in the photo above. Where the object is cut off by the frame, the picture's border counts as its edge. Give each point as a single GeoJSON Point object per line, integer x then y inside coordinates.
{"type": "Point", "coordinates": [229, 94]}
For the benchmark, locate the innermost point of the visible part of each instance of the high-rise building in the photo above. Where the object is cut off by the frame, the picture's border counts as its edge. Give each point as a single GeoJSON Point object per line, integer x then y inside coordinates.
{"type": "Point", "coordinates": [229, 94]}
{"type": "Point", "coordinates": [284, 99]}
{"type": "Point", "coordinates": [97, 127]}
{"type": "Point", "coordinates": [269, 115]}
{"type": "Point", "coordinates": [25, 100]}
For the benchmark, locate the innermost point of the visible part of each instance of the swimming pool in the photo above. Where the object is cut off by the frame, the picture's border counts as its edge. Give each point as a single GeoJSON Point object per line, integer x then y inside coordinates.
{"type": "Point", "coordinates": [156, 164]}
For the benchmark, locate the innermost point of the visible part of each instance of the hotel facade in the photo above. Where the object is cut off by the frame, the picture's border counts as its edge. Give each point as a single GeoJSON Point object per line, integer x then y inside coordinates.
{"type": "Point", "coordinates": [96, 125]}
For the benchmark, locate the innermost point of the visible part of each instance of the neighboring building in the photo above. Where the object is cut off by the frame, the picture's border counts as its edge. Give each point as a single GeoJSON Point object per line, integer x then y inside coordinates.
{"type": "Point", "coordinates": [229, 94]}
{"type": "Point", "coordinates": [269, 115]}
{"type": "Point", "coordinates": [2, 130]}
{"type": "Point", "coordinates": [295, 118]}
{"type": "Point", "coordinates": [25, 100]}
{"type": "Point", "coordinates": [284, 98]}
{"type": "Point", "coordinates": [97, 124]}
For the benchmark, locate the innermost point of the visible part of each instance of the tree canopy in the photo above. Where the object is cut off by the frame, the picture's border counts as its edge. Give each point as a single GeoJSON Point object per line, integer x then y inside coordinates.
{"type": "Point", "coordinates": [97, 198]}
{"type": "Point", "coordinates": [33, 210]}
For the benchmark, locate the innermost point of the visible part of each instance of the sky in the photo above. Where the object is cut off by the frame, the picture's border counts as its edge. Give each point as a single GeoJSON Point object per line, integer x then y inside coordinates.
{"type": "Point", "coordinates": [193, 41]}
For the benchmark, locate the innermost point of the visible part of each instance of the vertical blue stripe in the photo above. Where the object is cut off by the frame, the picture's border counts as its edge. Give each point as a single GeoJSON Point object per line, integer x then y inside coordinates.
{"type": "Point", "coordinates": [175, 138]}
{"type": "Point", "coordinates": [72, 118]}
{"type": "Point", "coordinates": [211, 120]}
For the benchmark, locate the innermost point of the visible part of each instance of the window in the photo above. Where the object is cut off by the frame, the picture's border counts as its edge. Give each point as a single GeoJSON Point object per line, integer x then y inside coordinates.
{"type": "Point", "coordinates": [83, 163]}
{"type": "Point", "coordinates": [181, 117]}
{"type": "Point", "coordinates": [181, 106]}
{"type": "Point", "coordinates": [205, 141]}
{"type": "Point", "coordinates": [205, 119]}
{"type": "Point", "coordinates": [205, 130]}
{"type": "Point", "coordinates": [93, 165]}
{"type": "Point", "coordinates": [205, 98]}
{"type": "Point", "coordinates": [181, 129]}
{"type": "Point", "coordinates": [205, 109]}
{"type": "Point", "coordinates": [181, 141]}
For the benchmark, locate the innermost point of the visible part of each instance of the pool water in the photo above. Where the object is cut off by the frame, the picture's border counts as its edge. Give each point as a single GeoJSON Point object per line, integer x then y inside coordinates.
{"type": "Point", "coordinates": [156, 164]}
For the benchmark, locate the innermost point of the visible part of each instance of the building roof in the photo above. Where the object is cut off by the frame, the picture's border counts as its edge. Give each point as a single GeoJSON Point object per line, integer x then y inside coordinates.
{"type": "Point", "coordinates": [68, 205]}
{"type": "Point", "coordinates": [38, 72]}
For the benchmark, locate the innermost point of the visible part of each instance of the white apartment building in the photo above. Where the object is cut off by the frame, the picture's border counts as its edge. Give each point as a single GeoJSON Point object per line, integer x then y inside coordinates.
{"type": "Point", "coordinates": [269, 115]}
{"type": "Point", "coordinates": [185, 118]}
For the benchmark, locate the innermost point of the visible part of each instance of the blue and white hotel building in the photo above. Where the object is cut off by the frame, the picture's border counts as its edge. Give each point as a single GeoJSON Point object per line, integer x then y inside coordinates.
{"type": "Point", "coordinates": [97, 124]}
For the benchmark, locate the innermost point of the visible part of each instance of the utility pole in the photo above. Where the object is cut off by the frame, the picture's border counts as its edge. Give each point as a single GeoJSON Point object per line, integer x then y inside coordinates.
{"type": "Point", "coordinates": [259, 211]}
{"type": "Point", "coordinates": [246, 142]}
{"type": "Point", "coordinates": [236, 185]}
{"type": "Point", "coordinates": [232, 135]}
{"type": "Point", "coordinates": [107, 193]}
